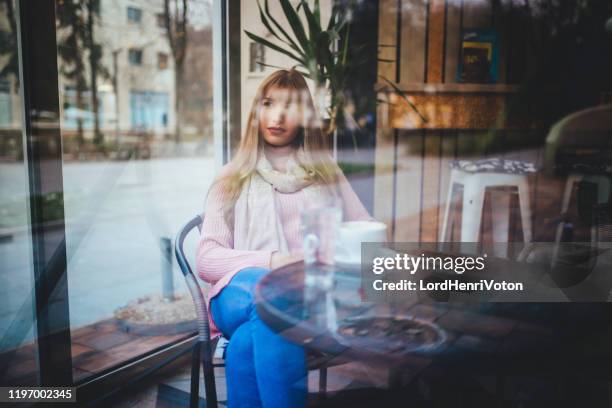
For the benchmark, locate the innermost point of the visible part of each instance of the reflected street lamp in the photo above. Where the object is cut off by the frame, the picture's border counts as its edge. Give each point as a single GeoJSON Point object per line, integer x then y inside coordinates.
{"type": "Point", "coordinates": [116, 91]}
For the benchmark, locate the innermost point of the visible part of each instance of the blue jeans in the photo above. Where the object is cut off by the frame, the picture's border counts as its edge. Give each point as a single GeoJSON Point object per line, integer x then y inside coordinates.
{"type": "Point", "coordinates": [262, 368]}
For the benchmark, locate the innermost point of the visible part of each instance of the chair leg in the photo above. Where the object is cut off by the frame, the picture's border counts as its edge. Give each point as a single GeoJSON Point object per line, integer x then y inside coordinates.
{"type": "Point", "coordinates": [603, 187]}
{"type": "Point", "coordinates": [209, 377]}
{"type": "Point", "coordinates": [567, 193]}
{"type": "Point", "coordinates": [525, 205]}
{"type": "Point", "coordinates": [323, 381]}
{"type": "Point", "coordinates": [500, 201]}
{"type": "Point", "coordinates": [447, 209]}
{"type": "Point", "coordinates": [473, 200]}
{"type": "Point", "coordinates": [195, 376]}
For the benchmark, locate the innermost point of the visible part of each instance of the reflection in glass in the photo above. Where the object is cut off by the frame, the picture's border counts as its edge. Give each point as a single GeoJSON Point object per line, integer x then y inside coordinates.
{"type": "Point", "coordinates": [18, 347]}
{"type": "Point", "coordinates": [137, 163]}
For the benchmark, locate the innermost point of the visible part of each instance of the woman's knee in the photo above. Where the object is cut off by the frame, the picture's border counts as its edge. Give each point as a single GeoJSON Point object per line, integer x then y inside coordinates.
{"type": "Point", "coordinates": [235, 303]}
{"type": "Point", "coordinates": [248, 277]}
{"type": "Point", "coordinates": [240, 347]}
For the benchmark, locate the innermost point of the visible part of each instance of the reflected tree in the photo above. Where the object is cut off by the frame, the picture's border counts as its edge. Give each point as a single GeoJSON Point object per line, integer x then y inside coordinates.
{"type": "Point", "coordinates": [76, 21]}
{"type": "Point", "coordinates": [175, 20]}
{"type": "Point", "coordinates": [95, 56]}
{"type": "Point", "coordinates": [8, 42]}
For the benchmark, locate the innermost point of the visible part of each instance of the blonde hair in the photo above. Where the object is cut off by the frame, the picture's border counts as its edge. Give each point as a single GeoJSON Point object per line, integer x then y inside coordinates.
{"type": "Point", "coordinates": [310, 137]}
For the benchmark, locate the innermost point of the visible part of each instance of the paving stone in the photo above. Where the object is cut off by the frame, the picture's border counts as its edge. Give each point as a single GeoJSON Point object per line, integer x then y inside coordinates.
{"type": "Point", "coordinates": [78, 350]}
{"type": "Point", "coordinates": [119, 354]}
{"type": "Point", "coordinates": [104, 340]}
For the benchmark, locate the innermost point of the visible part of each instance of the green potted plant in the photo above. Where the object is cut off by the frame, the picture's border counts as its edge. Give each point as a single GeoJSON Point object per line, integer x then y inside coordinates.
{"type": "Point", "coordinates": [317, 50]}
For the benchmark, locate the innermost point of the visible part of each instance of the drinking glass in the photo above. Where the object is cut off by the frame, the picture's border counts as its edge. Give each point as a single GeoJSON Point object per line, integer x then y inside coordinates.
{"type": "Point", "coordinates": [320, 224]}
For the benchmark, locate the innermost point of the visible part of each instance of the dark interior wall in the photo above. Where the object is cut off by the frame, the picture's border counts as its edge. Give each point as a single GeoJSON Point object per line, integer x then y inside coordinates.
{"type": "Point", "coordinates": [562, 57]}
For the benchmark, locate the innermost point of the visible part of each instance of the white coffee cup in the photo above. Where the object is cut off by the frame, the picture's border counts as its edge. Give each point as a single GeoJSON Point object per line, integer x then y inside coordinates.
{"type": "Point", "coordinates": [352, 233]}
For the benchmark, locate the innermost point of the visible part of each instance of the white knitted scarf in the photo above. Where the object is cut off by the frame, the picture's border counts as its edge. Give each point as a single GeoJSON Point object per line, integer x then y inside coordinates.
{"type": "Point", "coordinates": [257, 221]}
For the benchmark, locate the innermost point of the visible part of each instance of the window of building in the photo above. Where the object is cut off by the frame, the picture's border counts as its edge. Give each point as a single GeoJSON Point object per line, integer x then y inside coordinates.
{"type": "Point", "coordinates": [257, 57]}
{"type": "Point", "coordinates": [134, 15]}
{"type": "Point", "coordinates": [161, 20]}
{"type": "Point", "coordinates": [5, 103]}
{"type": "Point", "coordinates": [149, 110]}
{"type": "Point", "coordinates": [73, 114]}
{"type": "Point", "coordinates": [135, 56]}
{"type": "Point", "coordinates": [162, 60]}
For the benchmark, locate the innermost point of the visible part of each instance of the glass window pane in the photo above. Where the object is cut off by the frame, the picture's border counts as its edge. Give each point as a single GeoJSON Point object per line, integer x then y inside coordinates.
{"type": "Point", "coordinates": [134, 14]}
{"type": "Point", "coordinates": [18, 346]}
{"type": "Point", "coordinates": [498, 81]}
{"type": "Point", "coordinates": [136, 166]}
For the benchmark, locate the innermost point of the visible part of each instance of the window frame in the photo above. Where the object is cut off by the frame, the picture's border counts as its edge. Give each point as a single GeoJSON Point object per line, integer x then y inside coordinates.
{"type": "Point", "coordinates": [135, 56]}
{"type": "Point", "coordinates": [134, 15]}
{"type": "Point", "coordinates": [38, 71]}
{"type": "Point", "coordinates": [163, 60]}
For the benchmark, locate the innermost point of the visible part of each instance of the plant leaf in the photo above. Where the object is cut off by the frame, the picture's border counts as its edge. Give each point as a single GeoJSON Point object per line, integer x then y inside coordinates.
{"type": "Point", "coordinates": [297, 26]}
{"type": "Point", "coordinates": [303, 73]}
{"type": "Point", "coordinates": [275, 47]}
{"type": "Point", "coordinates": [332, 17]}
{"type": "Point", "coordinates": [323, 49]}
{"type": "Point", "coordinates": [404, 97]}
{"type": "Point", "coordinates": [345, 47]}
{"type": "Point", "coordinates": [266, 23]}
{"type": "Point", "coordinates": [314, 27]}
{"type": "Point", "coordinates": [317, 12]}
{"type": "Point", "coordinates": [281, 29]}
{"type": "Point", "coordinates": [263, 64]}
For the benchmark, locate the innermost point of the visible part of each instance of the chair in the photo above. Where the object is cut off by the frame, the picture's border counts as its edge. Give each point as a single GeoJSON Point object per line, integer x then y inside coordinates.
{"type": "Point", "coordinates": [476, 176]}
{"type": "Point", "coordinates": [578, 146]}
{"type": "Point", "coordinates": [202, 349]}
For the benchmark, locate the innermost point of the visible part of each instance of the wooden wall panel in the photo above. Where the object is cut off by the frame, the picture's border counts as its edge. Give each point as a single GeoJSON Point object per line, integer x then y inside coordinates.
{"type": "Point", "coordinates": [408, 187]}
{"type": "Point", "coordinates": [504, 28]}
{"type": "Point", "coordinates": [453, 41]}
{"type": "Point", "coordinates": [430, 188]}
{"type": "Point", "coordinates": [435, 41]}
{"type": "Point", "coordinates": [413, 29]}
{"type": "Point", "coordinates": [451, 110]}
{"type": "Point", "coordinates": [384, 182]}
{"type": "Point", "coordinates": [387, 39]}
{"type": "Point", "coordinates": [385, 149]}
{"type": "Point", "coordinates": [476, 13]}
{"type": "Point", "coordinates": [448, 149]}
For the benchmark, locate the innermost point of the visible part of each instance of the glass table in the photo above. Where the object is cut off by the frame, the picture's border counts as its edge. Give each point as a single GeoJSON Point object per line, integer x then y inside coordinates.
{"type": "Point", "coordinates": [464, 338]}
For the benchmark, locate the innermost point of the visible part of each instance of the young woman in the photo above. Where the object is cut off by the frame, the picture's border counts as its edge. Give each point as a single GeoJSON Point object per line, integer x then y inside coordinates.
{"type": "Point", "coordinates": [252, 225]}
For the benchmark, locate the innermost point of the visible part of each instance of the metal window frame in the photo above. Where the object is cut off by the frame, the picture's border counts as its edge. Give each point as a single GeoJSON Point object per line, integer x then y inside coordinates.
{"type": "Point", "coordinates": [41, 130]}
{"type": "Point", "coordinates": [226, 79]}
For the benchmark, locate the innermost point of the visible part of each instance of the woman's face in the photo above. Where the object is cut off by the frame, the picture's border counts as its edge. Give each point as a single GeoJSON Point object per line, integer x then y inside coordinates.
{"type": "Point", "coordinates": [280, 116]}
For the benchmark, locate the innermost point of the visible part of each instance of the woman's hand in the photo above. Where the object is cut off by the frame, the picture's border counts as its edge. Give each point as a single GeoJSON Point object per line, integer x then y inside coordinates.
{"type": "Point", "coordinates": [279, 260]}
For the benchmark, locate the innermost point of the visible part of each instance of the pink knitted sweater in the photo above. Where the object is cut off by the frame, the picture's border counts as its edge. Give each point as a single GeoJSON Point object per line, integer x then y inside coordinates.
{"type": "Point", "coordinates": [216, 259]}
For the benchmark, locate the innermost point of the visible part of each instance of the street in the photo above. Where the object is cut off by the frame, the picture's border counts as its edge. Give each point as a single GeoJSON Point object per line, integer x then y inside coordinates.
{"type": "Point", "coordinates": [116, 212]}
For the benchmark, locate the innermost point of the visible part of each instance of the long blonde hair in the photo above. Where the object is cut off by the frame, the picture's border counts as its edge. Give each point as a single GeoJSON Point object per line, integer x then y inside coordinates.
{"type": "Point", "coordinates": [310, 137]}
